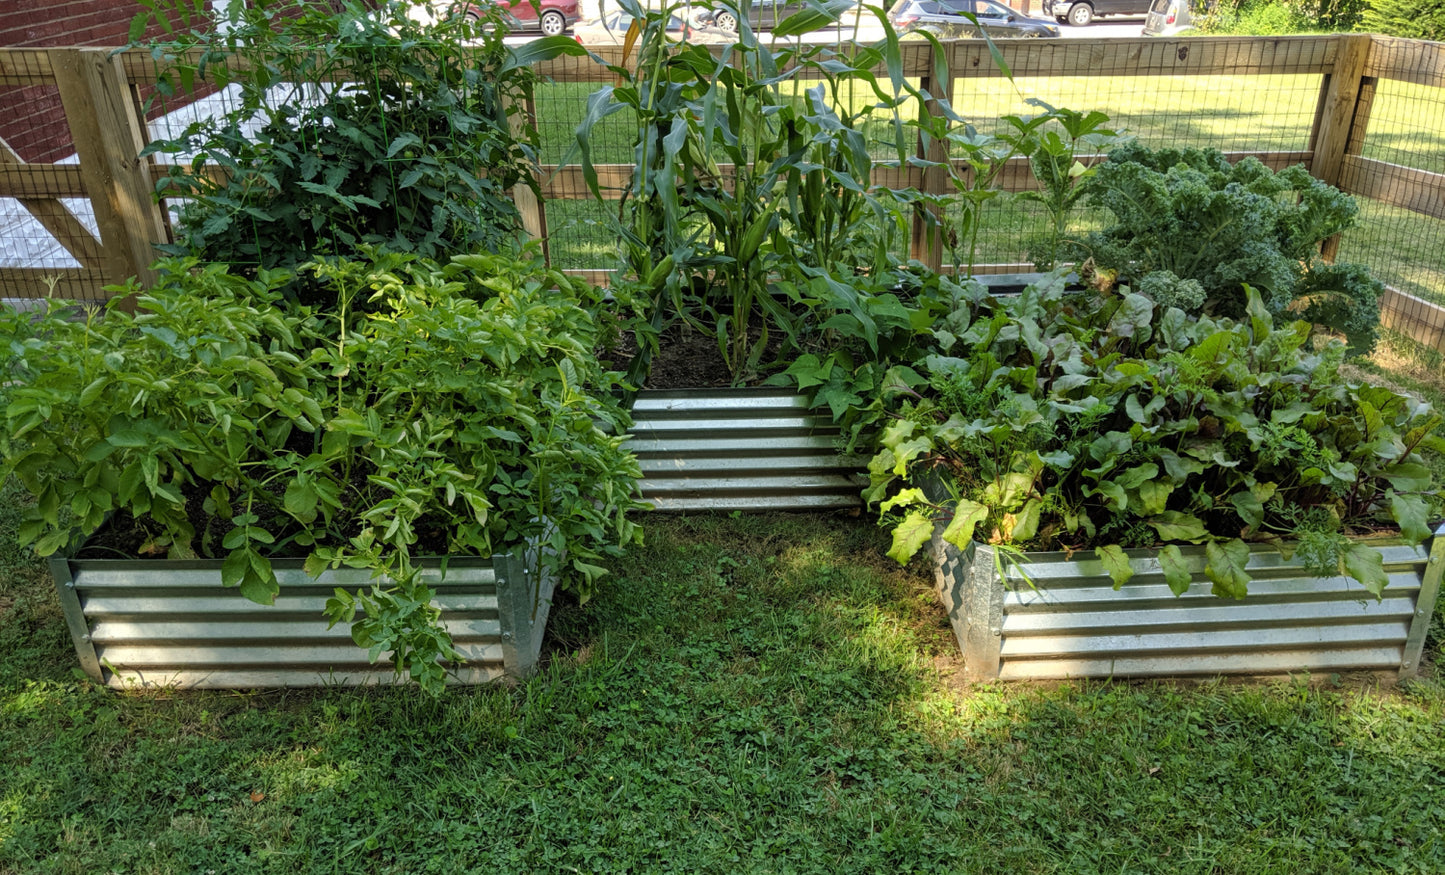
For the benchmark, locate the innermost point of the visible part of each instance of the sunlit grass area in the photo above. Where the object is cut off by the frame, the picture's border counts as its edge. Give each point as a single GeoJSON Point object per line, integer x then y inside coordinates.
{"type": "Point", "coordinates": [762, 694]}
{"type": "Point", "coordinates": [1259, 113]}
{"type": "Point", "coordinates": [1407, 125]}
{"type": "Point", "coordinates": [1404, 249]}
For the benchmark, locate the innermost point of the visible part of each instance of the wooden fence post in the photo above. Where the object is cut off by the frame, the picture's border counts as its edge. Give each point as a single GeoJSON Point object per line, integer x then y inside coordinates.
{"type": "Point", "coordinates": [1335, 116]}
{"type": "Point", "coordinates": [54, 217]}
{"type": "Point", "coordinates": [925, 246]}
{"type": "Point", "coordinates": [523, 116]}
{"type": "Point", "coordinates": [108, 137]}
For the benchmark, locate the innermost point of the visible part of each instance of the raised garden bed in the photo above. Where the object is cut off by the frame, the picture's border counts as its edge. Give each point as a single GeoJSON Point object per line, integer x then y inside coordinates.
{"type": "Point", "coordinates": [1061, 617]}
{"type": "Point", "coordinates": [740, 449]}
{"type": "Point", "coordinates": [172, 624]}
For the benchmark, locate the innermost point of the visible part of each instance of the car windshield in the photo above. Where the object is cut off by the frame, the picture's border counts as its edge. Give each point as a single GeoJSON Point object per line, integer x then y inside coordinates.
{"type": "Point", "coordinates": [1160, 6]}
{"type": "Point", "coordinates": [897, 8]}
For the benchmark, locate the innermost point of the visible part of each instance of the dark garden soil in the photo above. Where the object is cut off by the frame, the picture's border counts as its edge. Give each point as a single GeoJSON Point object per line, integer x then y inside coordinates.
{"type": "Point", "coordinates": [687, 359]}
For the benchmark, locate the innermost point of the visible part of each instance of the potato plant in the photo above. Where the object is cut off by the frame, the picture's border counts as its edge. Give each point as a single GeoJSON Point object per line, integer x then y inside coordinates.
{"type": "Point", "coordinates": [460, 411]}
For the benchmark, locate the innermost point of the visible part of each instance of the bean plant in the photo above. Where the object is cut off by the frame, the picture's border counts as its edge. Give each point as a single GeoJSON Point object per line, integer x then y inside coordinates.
{"type": "Point", "coordinates": [438, 409]}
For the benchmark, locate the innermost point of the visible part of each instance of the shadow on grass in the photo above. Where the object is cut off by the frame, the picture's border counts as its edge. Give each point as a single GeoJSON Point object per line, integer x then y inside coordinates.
{"type": "Point", "coordinates": [756, 694]}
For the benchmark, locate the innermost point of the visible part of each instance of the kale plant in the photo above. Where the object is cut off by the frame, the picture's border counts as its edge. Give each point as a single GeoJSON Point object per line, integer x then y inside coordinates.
{"type": "Point", "coordinates": [1191, 214]}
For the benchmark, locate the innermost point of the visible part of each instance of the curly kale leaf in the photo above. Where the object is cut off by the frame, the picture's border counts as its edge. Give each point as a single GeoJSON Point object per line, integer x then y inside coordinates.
{"type": "Point", "coordinates": [1188, 215]}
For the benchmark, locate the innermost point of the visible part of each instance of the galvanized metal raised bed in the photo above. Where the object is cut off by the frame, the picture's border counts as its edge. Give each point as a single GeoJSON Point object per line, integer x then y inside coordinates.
{"type": "Point", "coordinates": [1052, 616]}
{"type": "Point", "coordinates": [740, 449]}
{"type": "Point", "coordinates": [172, 623]}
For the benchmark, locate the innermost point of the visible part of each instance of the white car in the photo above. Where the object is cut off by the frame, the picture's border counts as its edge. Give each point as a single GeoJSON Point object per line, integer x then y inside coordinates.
{"type": "Point", "coordinates": [1167, 17]}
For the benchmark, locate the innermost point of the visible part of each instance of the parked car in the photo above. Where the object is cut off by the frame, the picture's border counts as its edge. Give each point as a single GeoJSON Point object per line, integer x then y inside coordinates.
{"type": "Point", "coordinates": [1167, 17]}
{"type": "Point", "coordinates": [946, 19]}
{"type": "Point", "coordinates": [765, 14]}
{"type": "Point", "coordinates": [551, 17]}
{"type": "Point", "coordinates": [1081, 12]}
{"type": "Point", "coordinates": [611, 30]}
{"type": "Point", "coordinates": [762, 14]}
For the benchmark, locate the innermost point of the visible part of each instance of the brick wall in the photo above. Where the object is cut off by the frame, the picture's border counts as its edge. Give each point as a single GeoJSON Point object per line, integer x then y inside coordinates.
{"type": "Point", "coordinates": [31, 119]}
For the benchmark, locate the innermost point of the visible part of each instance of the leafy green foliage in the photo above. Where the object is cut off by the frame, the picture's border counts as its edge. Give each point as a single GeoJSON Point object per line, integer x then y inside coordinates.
{"type": "Point", "coordinates": [1054, 142]}
{"type": "Point", "coordinates": [1424, 20]}
{"type": "Point", "coordinates": [350, 126]}
{"type": "Point", "coordinates": [1082, 421]}
{"type": "Point", "coordinates": [860, 364]}
{"type": "Point", "coordinates": [767, 250]}
{"type": "Point", "coordinates": [1192, 216]}
{"type": "Point", "coordinates": [460, 411]}
{"type": "Point", "coordinates": [1272, 17]}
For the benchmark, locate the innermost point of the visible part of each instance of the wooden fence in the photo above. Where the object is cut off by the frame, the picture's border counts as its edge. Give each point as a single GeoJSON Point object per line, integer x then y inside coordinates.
{"type": "Point", "coordinates": [99, 90]}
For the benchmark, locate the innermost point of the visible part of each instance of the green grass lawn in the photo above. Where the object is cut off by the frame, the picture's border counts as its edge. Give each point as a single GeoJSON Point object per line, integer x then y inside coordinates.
{"type": "Point", "coordinates": [760, 694]}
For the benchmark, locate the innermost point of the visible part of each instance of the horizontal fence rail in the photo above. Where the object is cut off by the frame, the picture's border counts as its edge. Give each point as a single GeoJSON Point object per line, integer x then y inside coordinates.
{"type": "Point", "coordinates": [99, 215]}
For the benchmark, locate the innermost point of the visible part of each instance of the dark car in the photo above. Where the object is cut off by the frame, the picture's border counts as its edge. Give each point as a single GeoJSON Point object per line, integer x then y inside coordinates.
{"type": "Point", "coordinates": [551, 17]}
{"type": "Point", "coordinates": [763, 14]}
{"type": "Point", "coordinates": [1081, 12]}
{"type": "Point", "coordinates": [946, 19]}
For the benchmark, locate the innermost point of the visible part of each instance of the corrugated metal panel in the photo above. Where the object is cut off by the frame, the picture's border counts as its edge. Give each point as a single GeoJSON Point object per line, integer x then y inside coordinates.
{"type": "Point", "coordinates": [740, 449]}
{"type": "Point", "coordinates": [174, 624]}
{"type": "Point", "coordinates": [1067, 620]}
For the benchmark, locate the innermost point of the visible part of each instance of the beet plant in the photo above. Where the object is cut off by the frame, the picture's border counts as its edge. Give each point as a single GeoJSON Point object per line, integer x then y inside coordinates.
{"type": "Point", "coordinates": [1077, 421]}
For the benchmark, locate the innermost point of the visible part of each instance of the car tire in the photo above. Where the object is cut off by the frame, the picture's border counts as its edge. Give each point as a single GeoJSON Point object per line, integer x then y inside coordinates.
{"type": "Point", "coordinates": [725, 20]}
{"type": "Point", "coordinates": [553, 23]}
{"type": "Point", "coordinates": [1080, 14]}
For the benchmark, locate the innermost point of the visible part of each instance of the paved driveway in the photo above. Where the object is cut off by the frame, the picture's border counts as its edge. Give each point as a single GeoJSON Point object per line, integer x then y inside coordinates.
{"type": "Point", "coordinates": [1108, 27]}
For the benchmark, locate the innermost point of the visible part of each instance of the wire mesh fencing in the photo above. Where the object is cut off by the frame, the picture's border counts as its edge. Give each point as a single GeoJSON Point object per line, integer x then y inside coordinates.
{"type": "Point", "coordinates": [375, 166]}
